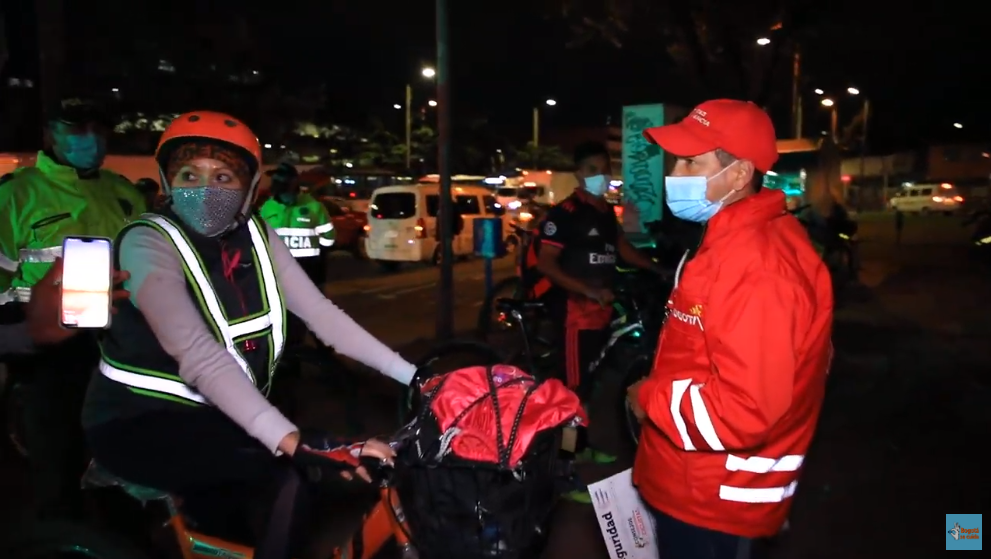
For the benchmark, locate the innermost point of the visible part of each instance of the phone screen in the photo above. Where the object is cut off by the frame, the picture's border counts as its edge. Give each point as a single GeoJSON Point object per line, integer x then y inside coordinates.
{"type": "Point", "coordinates": [86, 282]}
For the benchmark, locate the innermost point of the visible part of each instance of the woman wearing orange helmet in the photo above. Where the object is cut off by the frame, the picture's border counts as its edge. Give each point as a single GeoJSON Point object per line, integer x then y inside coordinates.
{"type": "Point", "coordinates": [180, 402]}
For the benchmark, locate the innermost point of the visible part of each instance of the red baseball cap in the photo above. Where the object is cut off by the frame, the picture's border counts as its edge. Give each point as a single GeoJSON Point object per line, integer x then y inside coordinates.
{"type": "Point", "coordinates": [739, 128]}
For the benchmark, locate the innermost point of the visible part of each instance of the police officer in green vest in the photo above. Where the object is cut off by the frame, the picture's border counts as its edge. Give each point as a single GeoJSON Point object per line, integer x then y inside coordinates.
{"type": "Point", "coordinates": [302, 222]}
{"type": "Point", "coordinates": [305, 227]}
{"type": "Point", "coordinates": [65, 193]}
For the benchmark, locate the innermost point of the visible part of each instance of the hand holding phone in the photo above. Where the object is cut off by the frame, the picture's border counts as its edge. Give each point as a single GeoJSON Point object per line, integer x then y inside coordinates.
{"type": "Point", "coordinates": [87, 279]}
{"type": "Point", "coordinates": [43, 309]}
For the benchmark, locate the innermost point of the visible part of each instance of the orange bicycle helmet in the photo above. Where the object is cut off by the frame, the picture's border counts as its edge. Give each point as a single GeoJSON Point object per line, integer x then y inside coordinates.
{"type": "Point", "coordinates": [212, 126]}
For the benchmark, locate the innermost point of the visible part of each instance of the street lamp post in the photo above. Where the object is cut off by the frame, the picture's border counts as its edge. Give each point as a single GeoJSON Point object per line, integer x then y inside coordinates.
{"type": "Point", "coordinates": [833, 117]}
{"type": "Point", "coordinates": [536, 127]}
{"type": "Point", "coordinates": [427, 73]}
{"type": "Point", "coordinates": [863, 137]}
{"type": "Point", "coordinates": [445, 287]}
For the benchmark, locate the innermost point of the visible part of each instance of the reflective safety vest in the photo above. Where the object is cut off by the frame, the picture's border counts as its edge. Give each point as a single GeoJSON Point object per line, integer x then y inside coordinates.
{"type": "Point", "coordinates": [246, 315]}
{"type": "Point", "coordinates": [305, 226]}
{"type": "Point", "coordinates": [41, 205]}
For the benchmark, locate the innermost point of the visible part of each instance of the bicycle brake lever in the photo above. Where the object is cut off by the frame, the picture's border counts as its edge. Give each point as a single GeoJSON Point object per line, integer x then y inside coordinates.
{"type": "Point", "coordinates": [379, 470]}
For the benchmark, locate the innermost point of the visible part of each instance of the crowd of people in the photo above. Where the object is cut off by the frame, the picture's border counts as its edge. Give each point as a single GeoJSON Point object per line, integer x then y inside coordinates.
{"type": "Point", "coordinates": [174, 394]}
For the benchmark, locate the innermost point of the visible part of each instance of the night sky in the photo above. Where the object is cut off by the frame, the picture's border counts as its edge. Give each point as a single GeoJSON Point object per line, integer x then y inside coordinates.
{"type": "Point", "coordinates": [924, 66]}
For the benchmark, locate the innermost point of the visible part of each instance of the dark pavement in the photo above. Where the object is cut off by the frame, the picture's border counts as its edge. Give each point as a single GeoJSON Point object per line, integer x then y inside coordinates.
{"type": "Point", "coordinates": [907, 412]}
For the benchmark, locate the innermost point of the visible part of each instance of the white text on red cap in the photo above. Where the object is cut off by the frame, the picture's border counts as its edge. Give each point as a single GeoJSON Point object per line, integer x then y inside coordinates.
{"type": "Point", "coordinates": [699, 115]}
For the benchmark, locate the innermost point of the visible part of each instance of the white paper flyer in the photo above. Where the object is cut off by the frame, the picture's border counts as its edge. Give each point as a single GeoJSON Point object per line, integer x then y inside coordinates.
{"type": "Point", "coordinates": [624, 520]}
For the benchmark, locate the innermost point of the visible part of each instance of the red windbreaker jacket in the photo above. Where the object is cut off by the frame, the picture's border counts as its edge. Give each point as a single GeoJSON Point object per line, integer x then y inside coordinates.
{"type": "Point", "coordinates": [740, 373]}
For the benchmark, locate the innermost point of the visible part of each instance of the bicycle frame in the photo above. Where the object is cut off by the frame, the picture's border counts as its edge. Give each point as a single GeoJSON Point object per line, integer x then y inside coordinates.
{"type": "Point", "coordinates": [383, 522]}
{"type": "Point", "coordinates": [619, 330]}
{"type": "Point", "coordinates": [379, 525]}
{"type": "Point", "coordinates": [616, 335]}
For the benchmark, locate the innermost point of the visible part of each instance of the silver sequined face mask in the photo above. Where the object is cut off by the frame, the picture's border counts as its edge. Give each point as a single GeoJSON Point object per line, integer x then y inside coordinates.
{"type": "Point", "coordinates": [209, 210]}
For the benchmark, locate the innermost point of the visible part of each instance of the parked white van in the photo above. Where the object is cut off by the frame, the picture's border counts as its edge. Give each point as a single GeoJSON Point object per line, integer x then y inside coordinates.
{"type": "Point", "coordinates": [925, 198]}
{"type": "Point", "coordinates": [402, 222]}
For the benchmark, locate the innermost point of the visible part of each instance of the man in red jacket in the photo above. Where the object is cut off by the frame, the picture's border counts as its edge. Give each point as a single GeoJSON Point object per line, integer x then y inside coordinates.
{"type": "Point", "coordinates": [732, 401]}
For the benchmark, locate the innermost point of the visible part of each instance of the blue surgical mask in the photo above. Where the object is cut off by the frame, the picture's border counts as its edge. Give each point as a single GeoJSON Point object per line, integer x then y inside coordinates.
{"type": "Point", "coordinates": [82, 151]}
{"type": "Point", "coordinates": [596, 185]}
{"type": "Point", "coordinates": [686, 197]}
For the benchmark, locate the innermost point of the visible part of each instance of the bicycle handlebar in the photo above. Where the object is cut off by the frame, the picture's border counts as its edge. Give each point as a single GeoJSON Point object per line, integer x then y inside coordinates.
{"type": "Point", "coordinates": [522, 230]}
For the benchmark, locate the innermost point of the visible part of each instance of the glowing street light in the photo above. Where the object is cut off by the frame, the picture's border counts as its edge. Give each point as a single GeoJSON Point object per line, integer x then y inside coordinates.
{"type": "Point", "coordinates": [428, 73]}
{"type": "Point", "coordinates": [398, 107]}
{"type": "Point", "coordinates": [853, 91]}
{"type": "Point", "coordinates": [536, 125]}
{"type": "Point", "coordinates": [957, 125]}
{"type": "Point", "coordinates": [819, 91]}
{"type": "Point", "coordinates": [432, 103]}
{"type": "Point", "coordinates": [763, 41]}
{"type": "Point", "coordinates": [827, 102]}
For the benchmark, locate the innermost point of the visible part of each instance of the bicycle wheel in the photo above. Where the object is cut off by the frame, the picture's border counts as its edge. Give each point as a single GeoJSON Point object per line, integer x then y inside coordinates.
{"type": "Point", "coordinates": [489, 321]}
{"type": "Point", "coordinates": [637, 370]}
{"type": "Point", "coordinates": [50, 539]}
{"type": "Point", "coordinates": [449, 356]}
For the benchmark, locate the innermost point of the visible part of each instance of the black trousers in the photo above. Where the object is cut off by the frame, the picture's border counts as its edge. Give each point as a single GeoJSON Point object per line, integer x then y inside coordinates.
{"type": "Point", "coordinates": [229, 483]}
{"type": "Point", "coordinates": [582, 331]}
{"type": "Point", "coordinates": [679, 540]}
{"type": "Point", "coordinates": [55, 386]}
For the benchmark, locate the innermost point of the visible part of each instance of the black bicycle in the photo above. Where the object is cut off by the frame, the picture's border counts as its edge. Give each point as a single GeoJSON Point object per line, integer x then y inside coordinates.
{"type": "Point", "coordinates": [492, 323]}
{"type": "Point", "coordinates": [640, 312]}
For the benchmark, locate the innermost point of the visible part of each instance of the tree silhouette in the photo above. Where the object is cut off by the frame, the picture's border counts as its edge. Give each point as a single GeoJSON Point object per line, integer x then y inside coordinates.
{"type": "Point", "coordinates": [712, 46]}
{"type": "Point", "coordinates": [540, 157]}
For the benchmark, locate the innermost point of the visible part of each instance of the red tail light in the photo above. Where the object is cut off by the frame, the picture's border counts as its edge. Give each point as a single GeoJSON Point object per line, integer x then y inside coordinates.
{"type": "Point", "coordinates": [421, 229]}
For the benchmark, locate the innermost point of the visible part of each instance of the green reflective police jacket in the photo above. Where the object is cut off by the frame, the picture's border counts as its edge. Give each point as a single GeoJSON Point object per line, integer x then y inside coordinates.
{"type": "Point", "coordinates": [41, 205]}
{"type": "Point", "coordinates": [305, 226]}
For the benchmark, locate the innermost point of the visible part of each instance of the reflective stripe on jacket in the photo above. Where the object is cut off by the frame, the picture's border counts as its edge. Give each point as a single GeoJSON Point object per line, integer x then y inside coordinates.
{"type": "Point", "coordinates": [43, 204]}
{"type": "Point", "coordinates": [739, 375]}
{"type": "Point", "coordinates": [228, 331]}
{"type": "Point", "coordinates": [305, 226]}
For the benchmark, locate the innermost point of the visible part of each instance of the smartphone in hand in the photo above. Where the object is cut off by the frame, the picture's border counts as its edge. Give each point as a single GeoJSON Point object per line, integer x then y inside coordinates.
{"type": "Point", "coordinates": [87, 272]}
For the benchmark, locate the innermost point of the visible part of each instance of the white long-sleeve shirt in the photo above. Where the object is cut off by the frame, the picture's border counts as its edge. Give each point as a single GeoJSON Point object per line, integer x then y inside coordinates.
{"type": "Point", "coordinates": [158, 290]}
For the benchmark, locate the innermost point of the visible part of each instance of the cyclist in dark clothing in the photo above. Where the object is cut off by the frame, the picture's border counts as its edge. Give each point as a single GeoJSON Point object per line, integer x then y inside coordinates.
{"type": "Point", "coordinates": [576, 252]}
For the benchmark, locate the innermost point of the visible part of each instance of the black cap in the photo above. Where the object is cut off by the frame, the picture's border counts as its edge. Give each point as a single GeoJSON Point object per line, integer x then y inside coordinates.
{"type": "Point", "coordinates": [80, 110]}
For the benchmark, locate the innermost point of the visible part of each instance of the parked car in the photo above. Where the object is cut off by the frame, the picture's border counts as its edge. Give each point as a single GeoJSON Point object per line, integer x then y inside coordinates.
{"type": "Point", "coordinates": [349, 226]}
{"type": "Point", "coordinates": [353, 204]}
{"type": "Point", "coordinates": [925, 198]}
{"type": "Point", "coordinates": [403, 225]}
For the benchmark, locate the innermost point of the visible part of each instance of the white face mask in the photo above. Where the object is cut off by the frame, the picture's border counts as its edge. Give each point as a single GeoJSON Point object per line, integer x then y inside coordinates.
{"type": "Point", "coordinates": [686, 197]}
{"type": "Point", "coordinates": [596, 185]}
